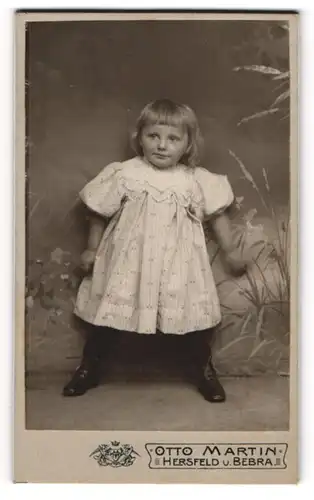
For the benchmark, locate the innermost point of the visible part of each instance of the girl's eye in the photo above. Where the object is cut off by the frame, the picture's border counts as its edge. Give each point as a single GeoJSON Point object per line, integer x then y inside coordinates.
{"type": "Point", "coordinates": [153, 136]}
{"type": "Point", "coordinates": [174, 138]}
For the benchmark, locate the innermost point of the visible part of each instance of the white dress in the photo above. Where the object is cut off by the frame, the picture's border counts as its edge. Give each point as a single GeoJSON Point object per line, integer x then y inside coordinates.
{"type": "Point", "coordinates": [152, 270]}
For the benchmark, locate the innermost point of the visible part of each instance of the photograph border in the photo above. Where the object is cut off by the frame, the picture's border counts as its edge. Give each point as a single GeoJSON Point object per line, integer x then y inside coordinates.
{"type": "Point", "coordinates": [37, 453]}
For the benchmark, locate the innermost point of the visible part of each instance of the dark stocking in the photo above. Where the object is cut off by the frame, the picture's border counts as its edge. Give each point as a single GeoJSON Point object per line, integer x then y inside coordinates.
{"type": "Point", "coordinates": [98, 344]}
{"type": "Point", "coordinates": [207, 380]}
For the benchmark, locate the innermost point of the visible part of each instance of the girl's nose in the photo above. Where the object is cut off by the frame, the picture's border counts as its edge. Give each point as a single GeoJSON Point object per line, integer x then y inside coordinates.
{"type": "Point", "coordinates": [162, 143]}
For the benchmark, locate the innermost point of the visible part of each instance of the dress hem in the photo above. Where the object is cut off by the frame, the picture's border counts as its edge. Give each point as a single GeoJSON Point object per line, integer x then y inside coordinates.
{"type": "Point", "coordinates": [109, 324]}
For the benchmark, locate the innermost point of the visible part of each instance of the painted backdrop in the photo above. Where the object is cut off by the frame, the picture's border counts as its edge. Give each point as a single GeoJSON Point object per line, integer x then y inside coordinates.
{"type": "Point", "coordinates": [86, 83]}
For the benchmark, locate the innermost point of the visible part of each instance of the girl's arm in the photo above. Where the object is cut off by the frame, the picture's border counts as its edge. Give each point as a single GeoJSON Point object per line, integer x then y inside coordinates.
{"type": "Point", "coordinates": [96, 230]}
{"type": "Point", "coordinates": [224, 236]}
{"type": "Point", "coordinates": [222, 229]}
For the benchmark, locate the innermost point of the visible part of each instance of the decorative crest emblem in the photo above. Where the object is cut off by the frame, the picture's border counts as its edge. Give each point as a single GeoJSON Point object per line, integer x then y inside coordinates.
{"type": "Point", "coordinates": [115, 454]}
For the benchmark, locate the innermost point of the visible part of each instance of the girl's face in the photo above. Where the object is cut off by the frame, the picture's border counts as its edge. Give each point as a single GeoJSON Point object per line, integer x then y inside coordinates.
{"type": "Point", "coordinates": [163, 145]}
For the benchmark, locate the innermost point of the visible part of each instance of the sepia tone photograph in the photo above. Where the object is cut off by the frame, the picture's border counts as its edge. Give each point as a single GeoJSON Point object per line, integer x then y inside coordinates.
{"type": "Point", "coordinates": [156, 248]}
{"type": "Point", "coordinates": [157, 225]}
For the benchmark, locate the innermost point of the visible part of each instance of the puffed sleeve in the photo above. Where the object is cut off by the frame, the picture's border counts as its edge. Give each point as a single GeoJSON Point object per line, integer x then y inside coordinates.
{"type": "Point", "coordinates": [213, 194]}
{"type": "Point", "coordinates": [104, 193]}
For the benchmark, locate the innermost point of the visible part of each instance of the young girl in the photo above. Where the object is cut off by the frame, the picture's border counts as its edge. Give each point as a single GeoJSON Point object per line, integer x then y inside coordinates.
{"type": "Point", "coordinates": [150, 267]}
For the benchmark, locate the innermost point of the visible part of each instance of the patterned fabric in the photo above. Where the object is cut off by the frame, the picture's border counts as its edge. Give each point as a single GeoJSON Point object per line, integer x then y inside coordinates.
{"type": "Point", "coordinates": [152, 269]}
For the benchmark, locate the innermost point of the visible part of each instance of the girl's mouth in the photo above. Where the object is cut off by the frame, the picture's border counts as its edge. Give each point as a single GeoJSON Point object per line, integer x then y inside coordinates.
{"type": "Point", "coordinates": [159, 155]}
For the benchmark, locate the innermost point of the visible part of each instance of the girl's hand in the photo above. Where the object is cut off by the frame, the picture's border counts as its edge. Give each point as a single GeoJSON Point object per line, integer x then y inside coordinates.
{"type": "Point", "coordinates": [87, 260]}
{"type": "Point", "coordinates": [235, 261]}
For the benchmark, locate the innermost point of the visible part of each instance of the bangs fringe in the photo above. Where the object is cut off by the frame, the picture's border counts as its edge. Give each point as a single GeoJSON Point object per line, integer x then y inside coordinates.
{"type": "Point", "coordinates": [165, 117]}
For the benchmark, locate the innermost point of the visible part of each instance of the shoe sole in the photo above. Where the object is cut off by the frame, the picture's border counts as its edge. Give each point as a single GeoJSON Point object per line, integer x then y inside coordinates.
{"type": "Point", "coordinates": [76, 394]}
{"type": "Point", "coordinates": [220, 400]}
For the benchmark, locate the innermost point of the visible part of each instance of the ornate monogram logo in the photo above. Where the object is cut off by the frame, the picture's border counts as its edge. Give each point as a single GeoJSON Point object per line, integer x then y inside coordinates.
{"type": "Point", "coordinates": [115, 454]}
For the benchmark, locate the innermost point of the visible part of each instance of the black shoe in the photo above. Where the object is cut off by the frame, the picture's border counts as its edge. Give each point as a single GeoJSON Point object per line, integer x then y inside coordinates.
{"type": "Point", "coordinates": [85, 377]}
{"type": "Point", "coordinates": [210, 387]}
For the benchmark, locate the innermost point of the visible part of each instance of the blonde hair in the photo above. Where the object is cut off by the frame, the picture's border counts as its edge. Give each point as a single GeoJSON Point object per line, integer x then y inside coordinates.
{"type": "Point", "coordinates": [167, 112]}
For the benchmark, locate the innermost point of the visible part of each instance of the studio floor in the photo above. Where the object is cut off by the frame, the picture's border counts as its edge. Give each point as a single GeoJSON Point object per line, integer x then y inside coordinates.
{"type": "Point", "coordinates": [253, 404]}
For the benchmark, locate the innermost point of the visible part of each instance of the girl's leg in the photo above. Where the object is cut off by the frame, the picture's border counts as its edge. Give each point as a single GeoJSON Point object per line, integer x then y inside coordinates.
{"type": "Point", "coordinates": [87, 375]}
{"type": "Point", "coordinates": [200, 345]}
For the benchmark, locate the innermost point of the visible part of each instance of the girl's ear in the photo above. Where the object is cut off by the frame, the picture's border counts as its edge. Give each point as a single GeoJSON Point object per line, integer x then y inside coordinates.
{"type": "Point", "coordinates": [188, 149]}
{"type": "Point", "coordinates": [138, 137]}
{"type": "Point", "coordinates": [135, 141]}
